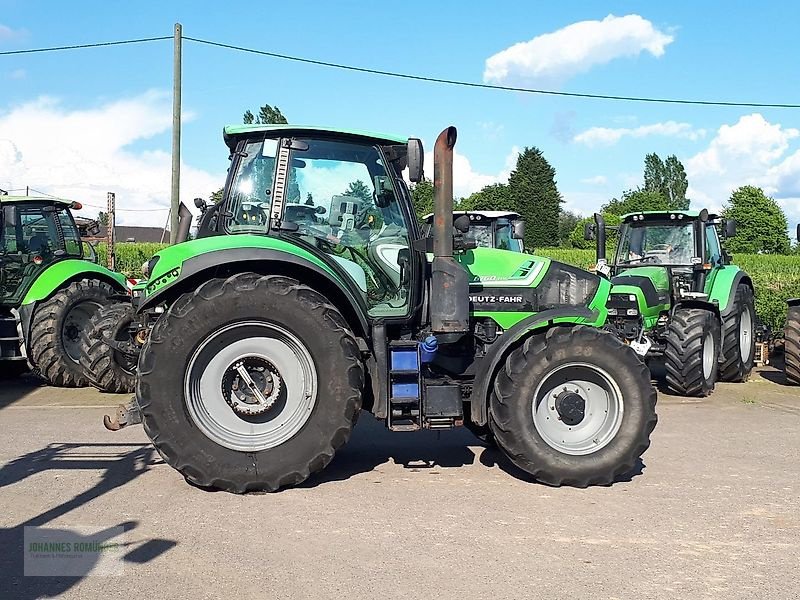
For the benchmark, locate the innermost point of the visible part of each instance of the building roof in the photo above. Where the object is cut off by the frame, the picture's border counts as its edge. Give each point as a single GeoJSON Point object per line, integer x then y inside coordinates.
{"type": "Point", "coordinates": [124, 233]}
{"type": "Point", "coordinates": [232, 133]}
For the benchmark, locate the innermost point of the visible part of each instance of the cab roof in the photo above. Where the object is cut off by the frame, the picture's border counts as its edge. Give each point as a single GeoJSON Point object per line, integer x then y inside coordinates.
{"type": "Point", "coordinates": [486, 214]}
{"type": "Point", "coordinates": [18, 199]}
{"type": "Point", "coordinates": [233, 133]}
{"type": "Point", "coordinates": [655, 215]}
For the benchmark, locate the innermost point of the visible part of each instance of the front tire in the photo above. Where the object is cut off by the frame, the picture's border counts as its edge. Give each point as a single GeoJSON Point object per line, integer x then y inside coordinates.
{"type": "Point", "coordinates": [738, 338]}
{"type": "Point", "coordinates": [108, 368]}
{"type": "Point", "coordinates": [690, 358]}
{"type": "Point", "coordinates": [250, 383]}
{"type": "Point", "coordinates": [791, 352]}
{"type": "Point", "coordinates": [573, 406]}
{"type": "Point", "coordinates": [56, 330]}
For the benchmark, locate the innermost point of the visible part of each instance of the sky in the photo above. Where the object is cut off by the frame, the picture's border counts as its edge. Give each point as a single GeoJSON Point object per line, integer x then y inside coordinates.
{"type": "Point", "coordinates": [85, 122]}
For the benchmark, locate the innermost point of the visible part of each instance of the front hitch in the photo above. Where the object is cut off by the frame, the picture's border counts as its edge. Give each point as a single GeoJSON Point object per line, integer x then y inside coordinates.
{"type": "Point", "coordinates": [127, 414]}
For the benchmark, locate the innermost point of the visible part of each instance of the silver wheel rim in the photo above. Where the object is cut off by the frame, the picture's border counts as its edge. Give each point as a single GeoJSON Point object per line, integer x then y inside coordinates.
{"type": "Point", "coordinates": [602, 415]}
{"type": "Point", "coordinates": [76, 321]}
{"type": "Point", "coordinates": [708, 355]}
{"type": "Point", "coordinates": [210, 367]}
{"type": "Point", "coordinates": [745, 334]}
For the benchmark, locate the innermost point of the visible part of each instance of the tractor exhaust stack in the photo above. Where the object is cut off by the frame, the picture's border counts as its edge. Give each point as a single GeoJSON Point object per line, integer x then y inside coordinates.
{"type": "Point", "coordinates": [449, 294]}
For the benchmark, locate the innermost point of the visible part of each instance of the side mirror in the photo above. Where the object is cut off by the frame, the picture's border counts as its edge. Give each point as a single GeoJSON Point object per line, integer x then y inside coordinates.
{"type": "Point", "coordinates": [415, 158]}
{"type": "Point", "coordinates": [588, 231]}
{"type": "Point", "coordinates": [201, 204]}
{"type": "Point", "coordinates": [462, 223]}
{"type": "Point", "coordinates": [730, 228]}
{"type": "Point", "coordinates": [518, 229]}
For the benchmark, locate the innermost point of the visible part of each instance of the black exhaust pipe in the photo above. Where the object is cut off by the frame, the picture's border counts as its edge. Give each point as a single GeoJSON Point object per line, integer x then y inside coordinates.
{"type": "Point", "coordinates": [184, 223]}
{"type": "Point", "coordinates": [449, 304]}
{"type": "Point", "coordinates": [600, 236]}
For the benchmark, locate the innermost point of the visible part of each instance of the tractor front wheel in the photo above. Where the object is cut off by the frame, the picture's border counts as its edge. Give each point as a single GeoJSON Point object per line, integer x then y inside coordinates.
{"type": "Point", "coordinates": [573, 406]}
{"type": "Point", "coordinates": [690, 359]}
{"type": "Point", "coordinates": [250, 383]}
{"type": "Point", "coordinates": [738, 337]}
{"type": "Point", "coordinates": [791, 337]}
{"type": "Point", "coordinates": [109, 352]}
{"type": "Point", "coordinates": [55, 346]}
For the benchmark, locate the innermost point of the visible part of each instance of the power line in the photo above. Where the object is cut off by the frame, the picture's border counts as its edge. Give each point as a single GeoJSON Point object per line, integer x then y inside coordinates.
{"type": "Point", "coordinates": [488, 85]}
{"type": "Point", "coordinates": [81, 46]}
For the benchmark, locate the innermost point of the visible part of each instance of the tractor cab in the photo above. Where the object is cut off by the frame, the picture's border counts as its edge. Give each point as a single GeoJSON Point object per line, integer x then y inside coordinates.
{"type": "Point", "coordinates": [499, 229]}
{"type": "Point", "coordinates": [35, 232]}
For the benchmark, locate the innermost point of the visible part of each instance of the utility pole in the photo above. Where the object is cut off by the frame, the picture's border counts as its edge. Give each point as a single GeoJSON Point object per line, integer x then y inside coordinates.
{"type": "Point", "coordinates": [176, 134]}
{"type": "Point", "coordinates": [111, 256]}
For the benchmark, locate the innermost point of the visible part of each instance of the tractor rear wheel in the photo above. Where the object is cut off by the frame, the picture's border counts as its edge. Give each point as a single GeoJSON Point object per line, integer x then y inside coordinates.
{"type": "Point", "coordinates": [791, 352]}
{"type": "Point", "coordinates": [250, 383]}
{"type": "Point", "coordinates": [56, 330]}
{"type": "Point", "coordinates": [109, 352]}
{"type": "Point", "coordinates": [573, 406]}
{"type": "Point", "coordinates": [738, 337]}
{"type": "Point", "coordinates": [690, 359]}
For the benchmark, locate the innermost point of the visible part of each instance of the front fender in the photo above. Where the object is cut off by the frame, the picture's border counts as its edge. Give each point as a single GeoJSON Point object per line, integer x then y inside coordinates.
{"type": "Point", "coordinates": [54, 277]}
{"type": "Point", "coordinates": [484, 374]}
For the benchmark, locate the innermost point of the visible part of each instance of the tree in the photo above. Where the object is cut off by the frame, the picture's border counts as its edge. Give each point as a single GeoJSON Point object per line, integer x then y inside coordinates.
{"type": "Point", "coordinates": [577, 240]}
{"type": "Point", "coordinates": [760, 223]}
{"type": "Point", "coordinates": [358, 189]}
{"type": "Point", "coordinates": [309, 199]}
{"type": "Point", "coordinates": [667, 178]}
{"type": "Point", "coordinates": [492, 197]}
{"type": "Point", "coordinates": [102, 218]}
{"type": "Point", "coordinates": [636, 201]}
{"type": "Point", "coordinates": [267, 115]}
{"type": "Point", "coordinates": [535, 196]}
{"type": "Point", "coordinates": [216, 197]}
{"type": "Point", "coordinates": [422, 198]}
{"type": "Point", "coordinates": [567, 220]}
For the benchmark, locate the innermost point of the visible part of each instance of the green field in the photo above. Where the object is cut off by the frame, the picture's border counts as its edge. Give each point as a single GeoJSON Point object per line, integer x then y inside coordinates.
{"type": "Point", "coordinates": [775, 277]}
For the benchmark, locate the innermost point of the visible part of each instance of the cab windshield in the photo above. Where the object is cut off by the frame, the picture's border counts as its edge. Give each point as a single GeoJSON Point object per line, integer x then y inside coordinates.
{"type": "Point", "coordinates": [653, 243]}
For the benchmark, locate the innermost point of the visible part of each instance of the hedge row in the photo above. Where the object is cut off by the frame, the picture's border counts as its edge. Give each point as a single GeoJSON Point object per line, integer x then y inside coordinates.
{"type": "Point", "coordinates": [775, 277]}
{"type": "Point", "coordinates": [130, 256]}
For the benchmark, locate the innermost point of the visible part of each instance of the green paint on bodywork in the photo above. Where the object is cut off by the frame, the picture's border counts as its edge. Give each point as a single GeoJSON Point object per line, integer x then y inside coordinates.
{"type": "Point", "coordinates": [171, 259]}
{"type": "Point", "coordinates": [55, 275]}
{"type": "Point", "coordinates": [494, 267]}
{"type": "Point", "coordinates": [244, 130]}
{"type": "Point", "coordinates": [719, 287]}
{"type": "Point", "coordinates": [659, 276]}
{"type": "Point", "coordinates": [50, 200]}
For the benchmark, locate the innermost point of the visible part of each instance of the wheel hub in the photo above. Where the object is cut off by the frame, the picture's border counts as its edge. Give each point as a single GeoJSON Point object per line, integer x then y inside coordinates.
{"type": "Point", "coordinates": [251, 386]}
{"type": "Point", "coordinates": [571, 407]}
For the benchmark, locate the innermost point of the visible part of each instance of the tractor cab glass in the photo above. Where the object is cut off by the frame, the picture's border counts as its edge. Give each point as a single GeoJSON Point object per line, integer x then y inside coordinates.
{"type": "Point", "coordinates": [341, 197]}
{"type": "Point", "coordinates": [503, 236]}
{"type": "Point", "coordinates": [251, 189]}
{"type": "Point", "coordinates": [656, 243]}
{"type": "Point", "coordinates": [33, 236]}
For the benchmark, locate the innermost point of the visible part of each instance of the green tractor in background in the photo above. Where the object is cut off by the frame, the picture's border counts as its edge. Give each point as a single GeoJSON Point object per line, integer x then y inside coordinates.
{"type": "Point", "coordinates": [266, 336]}
{"type": "Point", "coordinates": [676, 295]}
{"type": "Point", "coordinates": [48, 290]}
{"type": "Point", "coordinates": [489, 228]}
{"type": "Point", "coordinates": [791, 337]}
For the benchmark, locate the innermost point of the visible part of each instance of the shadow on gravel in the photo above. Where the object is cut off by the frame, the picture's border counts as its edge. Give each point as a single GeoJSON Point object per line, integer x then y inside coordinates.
{"type": "Point", "coordinates": [13, 389]}
{"type": "Point", "coordinates": [120, 464]}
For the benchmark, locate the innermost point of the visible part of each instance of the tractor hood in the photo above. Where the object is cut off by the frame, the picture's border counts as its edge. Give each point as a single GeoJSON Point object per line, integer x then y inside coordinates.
{"type": "Point", "coordinates": [649, 284]}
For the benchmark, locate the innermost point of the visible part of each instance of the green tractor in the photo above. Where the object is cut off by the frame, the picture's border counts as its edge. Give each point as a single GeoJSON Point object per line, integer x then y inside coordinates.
{"type": "Point", "coordinates": [791, 337]}
{"type": "Point", "coordinates": [48, 290]}
{"type": "Point", "coordinates": [500, 229]}
{"type": "Point", "coordinates": [676, 295]}
{"type": "Point", "coordinates": [295, 310]}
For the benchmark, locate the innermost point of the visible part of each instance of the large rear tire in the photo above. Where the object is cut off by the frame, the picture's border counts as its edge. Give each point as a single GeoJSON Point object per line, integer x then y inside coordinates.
{"type": "Point", "coordinates": [250, 383]}
{"type": "Point", "coordinates": [107, 368]}
{"type": "Point", "coordinates": [573, 406]}
{"type": "Point", "coordinates": [56, 330]}
{"type": "Point", "coordinates": [791, 353]}
{"type": "Point", "coordinates": [690, 358]}
{"type": "Point", "coordinates": [738, 338]}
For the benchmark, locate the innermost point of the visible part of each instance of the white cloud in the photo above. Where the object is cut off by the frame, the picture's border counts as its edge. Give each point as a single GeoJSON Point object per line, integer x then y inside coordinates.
{"type": "Point", "coordinates": [83, 154]}
{"type": "Point", "coordinates": [608, 136]}
{"type": "Point", "coordinates": [18, 74]}
{"type": "Point", "coordinates": [7, 34]}
{"type": "Point", "coordinates": [596, 180]}
{"type": "Point", "coordinates": [751, 151]}
{"type": "Point", "coordinates": [466, 180]}
{"type": "Point", "coordinates": [552, 58]}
